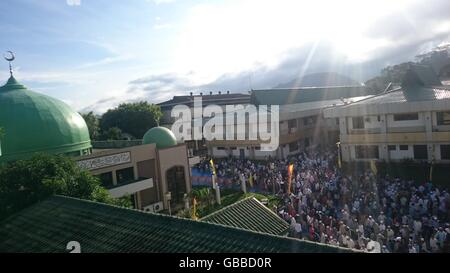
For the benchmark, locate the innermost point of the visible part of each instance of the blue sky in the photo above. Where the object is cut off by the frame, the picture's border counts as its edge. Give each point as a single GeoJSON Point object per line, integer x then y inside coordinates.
{"type": "Point", "coordinates": [94, 54]}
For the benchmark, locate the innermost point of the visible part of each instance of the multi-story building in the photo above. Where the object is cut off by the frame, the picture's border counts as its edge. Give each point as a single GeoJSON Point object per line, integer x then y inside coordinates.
{"type": "Point", "coordinates": [411, 121]}
{"type": "Point", "coordinates": [198, 147]}
{"type": "Point", "coordinates": [301, 122]}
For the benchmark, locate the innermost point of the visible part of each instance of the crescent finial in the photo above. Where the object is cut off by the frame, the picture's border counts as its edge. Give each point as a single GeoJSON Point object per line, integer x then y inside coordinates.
{"type": "Point", "coordinates": [9, 56]}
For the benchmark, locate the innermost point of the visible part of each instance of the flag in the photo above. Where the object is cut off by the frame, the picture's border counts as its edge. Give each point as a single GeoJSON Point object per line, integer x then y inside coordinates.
{"type": "Point", "coordinates": [431, 172]}
{"type": "Point", "coordinates": [290, 169]}
{"type": "Point", "coordinates": [373, 167]}
{"type": "Point", "coordinates": [194, 209]}
{"type": "Point", "coordinates": [339, 155]}
{"type": "Point", "coordinates": [213, 168]}
{"type": "Point", "coordinates": [250, 180]}
{"type": "Point", "coordinates": [339, 160]}
{"type": "Point", "coordinates": [290, 173]}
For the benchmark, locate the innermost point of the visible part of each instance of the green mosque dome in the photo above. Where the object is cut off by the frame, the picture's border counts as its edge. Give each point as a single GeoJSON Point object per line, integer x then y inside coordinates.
{"type": "Point", "coordinates": [160, 136]}
{"type": "Point", "coordinates": [34, 122]}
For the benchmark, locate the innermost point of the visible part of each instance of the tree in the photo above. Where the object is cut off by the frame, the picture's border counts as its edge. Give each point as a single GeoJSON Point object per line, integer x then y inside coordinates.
{"type": "Point", "coordinates": [93, 124]}
{"type": "Point", "coordinates": [112, 133]}
{"type": "Point", "coordinates": [2, 133]}
{"type": "Point", "coordinates": [132, 118]}
{"type": "Point", "coordinates": [437, 57]}
{"type": "Point", "coordinates": [25, 182]}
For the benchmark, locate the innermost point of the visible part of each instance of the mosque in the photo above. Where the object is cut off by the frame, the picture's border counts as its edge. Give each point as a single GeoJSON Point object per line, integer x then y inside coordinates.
{"type": "Point", "coordinates": [156, 175]}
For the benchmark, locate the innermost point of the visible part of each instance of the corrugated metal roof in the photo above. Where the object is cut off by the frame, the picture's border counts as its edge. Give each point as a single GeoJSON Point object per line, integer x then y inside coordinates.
{"type": "Point", "coordinates": [249, 214]}
{"type": "Point", "coordinates": [232, 98]}
{"type": "Point", "coordinates": [298, 107]}
{"type": "Point", "coordinates": [303, 95]}
{"type": "Point", "coordinates": [49, 225]}
{"type": "Point", "coordinates": [412, 94]}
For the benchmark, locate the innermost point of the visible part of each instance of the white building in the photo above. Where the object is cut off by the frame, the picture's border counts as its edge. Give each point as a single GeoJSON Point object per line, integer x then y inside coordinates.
{"type": "Point", "coordinates": [407, 122]}
{"type": "Point", "coordinates": [301, 122]}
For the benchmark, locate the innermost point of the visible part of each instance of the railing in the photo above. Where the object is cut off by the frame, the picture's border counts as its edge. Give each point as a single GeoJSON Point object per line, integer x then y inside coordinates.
{"type": "Point", "coordinates": [115, 144]}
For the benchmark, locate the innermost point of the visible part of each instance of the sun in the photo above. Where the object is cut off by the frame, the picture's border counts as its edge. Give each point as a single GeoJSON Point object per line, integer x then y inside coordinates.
{"type": "Point", "coordinates": [236, 36]}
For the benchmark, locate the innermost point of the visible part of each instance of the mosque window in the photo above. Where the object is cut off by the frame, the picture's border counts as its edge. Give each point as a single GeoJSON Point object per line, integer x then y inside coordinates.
{"type": "Point", "coordinates": [106, 179]}
{"type": "Point", "coordinates": [125, 175]}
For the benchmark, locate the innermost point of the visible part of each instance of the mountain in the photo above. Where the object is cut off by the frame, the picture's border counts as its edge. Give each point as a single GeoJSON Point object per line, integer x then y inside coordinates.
{"type": "Point", "coordinates": [320, 80]}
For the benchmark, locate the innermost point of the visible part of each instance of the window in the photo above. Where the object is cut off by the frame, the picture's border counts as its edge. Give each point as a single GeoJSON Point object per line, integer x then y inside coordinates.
{"type": "Point", "coordinates": [408, 116]}
{"type": "Point", "coordinates": [106, 179]}
{"type": "Point", "coordinates": [337, 121]}
{"type": "Point", "coordinates": [378, 118]}
{"type": "Point", "coordinates": [125, 175]}
{"type": "Point", "coordinates": [445, 152]}
{"type": "Point", "coordinates": [221, 148]}
{"type": "Point", "coordinates": [307, 142]}
{"type": "Point", "coordinates": [443, 118]}
{"type": "Point", "coordinates": [392, 147]}
{"type": "Point", "coordinates": [309, 120]}
{"type": "Point", "coordinates": [403, 147]}
{"type": "Point", "coordinates": [293, 146]}
{"type": "Point", "coordinates": [366, 151]}
{"type": "Point", "coordinates": [258, 148]}
{"type": "Point", "coordinates": [358, 122]}
{"type": "Point", "coordinates": [292, 123]}
{"type": "Point", "coordinates": [420, 152]}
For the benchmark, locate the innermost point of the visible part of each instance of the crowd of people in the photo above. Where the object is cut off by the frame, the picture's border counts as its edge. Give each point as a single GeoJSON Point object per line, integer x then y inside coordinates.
{"type": "Point", "coordinates": [363, 211]}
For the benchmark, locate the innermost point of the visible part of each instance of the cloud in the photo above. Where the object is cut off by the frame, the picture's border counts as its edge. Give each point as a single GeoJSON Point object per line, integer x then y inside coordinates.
{"type": "Point", "coordinates": [106, 61]}
{"type": "Point", "coordinates": [310, 58]}
{"type": "Point", "coordinates": [73, 2]}
{"type": "Point", "coordinates": [260, 44]}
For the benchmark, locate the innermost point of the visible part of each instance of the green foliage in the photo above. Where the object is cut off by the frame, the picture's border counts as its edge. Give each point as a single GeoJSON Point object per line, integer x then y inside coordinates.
{"type": "Point", "coordinates": [132, 118]}
{"type": "Point", "coordinates": [184, 213]}
{"type": "Point", "coordinates": [25, 182]}
{"type": "Point", "coordinates": [93, 124]}
{"type": "Point", "coordinates": [112, 133]}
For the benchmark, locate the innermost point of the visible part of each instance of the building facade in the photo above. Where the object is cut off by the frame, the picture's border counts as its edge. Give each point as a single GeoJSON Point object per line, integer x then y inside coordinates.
{"type": "Point", "coordinates": [410, 122]}
{"type": "Point", "coordinates": [301, 126]}
{"type": "Point", "coordinates": [147, 173]}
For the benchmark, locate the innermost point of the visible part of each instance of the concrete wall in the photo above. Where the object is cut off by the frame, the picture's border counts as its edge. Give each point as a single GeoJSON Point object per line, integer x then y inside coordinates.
{"type": "Point", "coordinates": [401, 154]}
